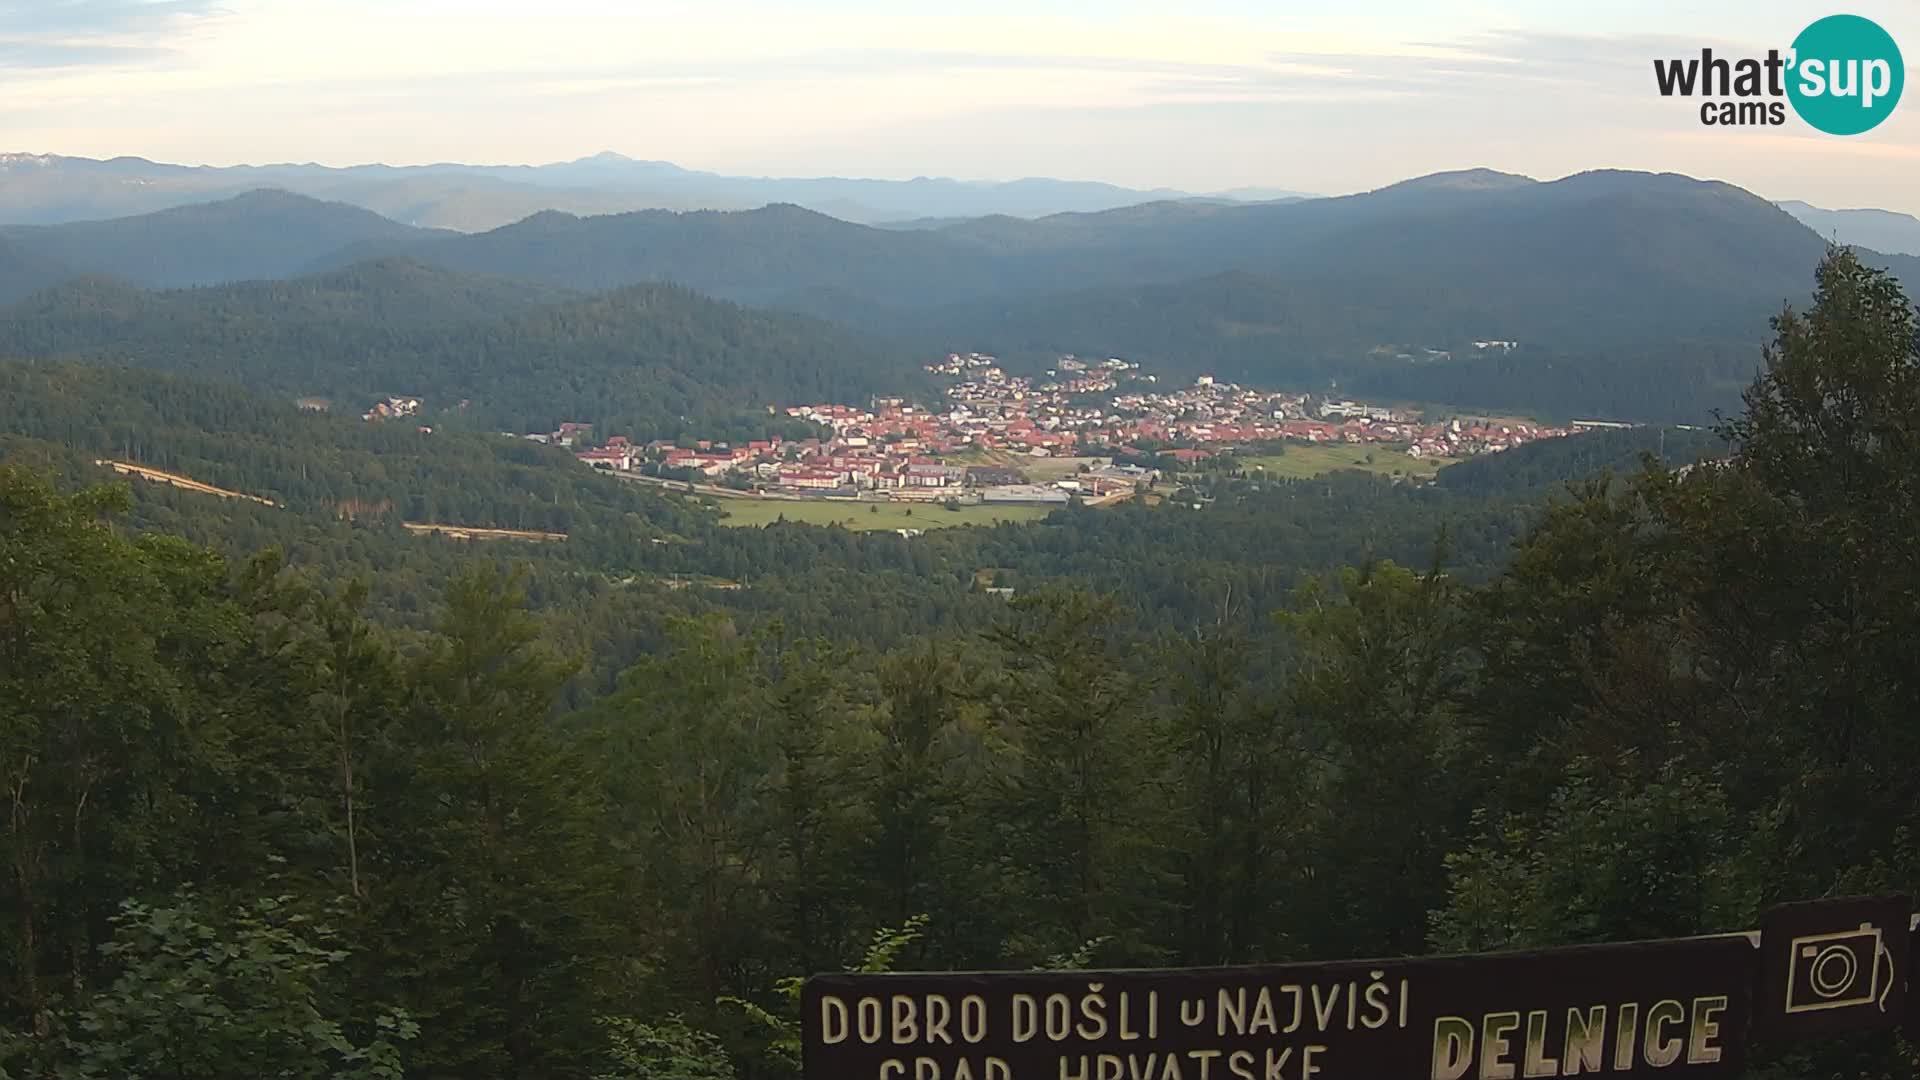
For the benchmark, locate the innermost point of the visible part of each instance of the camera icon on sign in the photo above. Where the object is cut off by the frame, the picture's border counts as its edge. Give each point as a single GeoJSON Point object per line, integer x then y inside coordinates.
{"type": "Point", "coordinates": [1839, 971]}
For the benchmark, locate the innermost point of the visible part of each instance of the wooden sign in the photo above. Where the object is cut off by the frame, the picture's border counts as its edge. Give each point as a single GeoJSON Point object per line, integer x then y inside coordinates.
{"type": "Point", "coordinates": [1617, 1010]}
{"type": "Point", "coordinates": [1684, 1007]}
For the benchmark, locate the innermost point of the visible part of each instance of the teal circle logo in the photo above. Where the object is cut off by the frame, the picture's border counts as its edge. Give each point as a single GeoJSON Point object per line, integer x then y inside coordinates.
{"type": "Point", "coordinates": [1846, 75]}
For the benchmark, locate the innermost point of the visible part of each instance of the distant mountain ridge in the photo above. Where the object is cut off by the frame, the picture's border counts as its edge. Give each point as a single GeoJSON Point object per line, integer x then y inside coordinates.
{"type": "Point", "coordinates": [260, 234]}
{"type": "Point", "coordinates": [51, 189]}
{"type": "Point", "coordinates": [1881, 230]}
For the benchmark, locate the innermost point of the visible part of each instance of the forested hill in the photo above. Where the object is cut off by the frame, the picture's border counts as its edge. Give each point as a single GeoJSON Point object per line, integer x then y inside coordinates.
{"type": "Point", "coordinates": [260, 234]}
{"type": "Point", "coordinates": [1632, 295]}
{"type": "Point", "coordinates": [645, 360]}
{"type": "Point", "coordinates": [1261, 331]}
{"type": "Point", "coordinates": [754, 256]}
{"type": "Point", "coordinates": [313, 465]}
{"type": "Point", "coordinates": [390, 293]}
{"type": "Point", "coordinates": [1546, 466]}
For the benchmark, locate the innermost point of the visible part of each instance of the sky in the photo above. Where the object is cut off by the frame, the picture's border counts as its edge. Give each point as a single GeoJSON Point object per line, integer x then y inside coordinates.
{"type": "Point", "coordinates": [1326, 96]}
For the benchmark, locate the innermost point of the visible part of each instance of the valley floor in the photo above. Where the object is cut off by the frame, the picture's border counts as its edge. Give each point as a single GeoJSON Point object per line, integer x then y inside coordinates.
{"type": "Point", "coordinates": [1301, 461]}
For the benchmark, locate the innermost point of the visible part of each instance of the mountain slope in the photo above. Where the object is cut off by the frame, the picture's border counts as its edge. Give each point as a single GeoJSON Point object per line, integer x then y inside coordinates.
{"type": "Point", "coordinates": [1591, 259]}
{"type": "Point", "coordinates": [385, 295]}
{"type": "Point", "coordinates": [261, 234]}
{"type": "Point", "coordinates": [1430, 221]}
{"type": "Point", "coordinates": [756, 256]}
{"type": "Point", "coordinates": [23, 272]}
{"type": "Point", "coordinates": [1632, 295]}
{"type": "Point", "coordinates": [645, 358]}
{"type": "Point", "coordinates": [1544, 467]}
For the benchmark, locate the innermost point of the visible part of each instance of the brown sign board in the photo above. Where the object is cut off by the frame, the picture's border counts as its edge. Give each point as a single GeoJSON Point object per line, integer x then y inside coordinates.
{"type": "Point", "coordinates": [1684, 1007]}
{"type": "Point", "coordinates": [1677, 1008]}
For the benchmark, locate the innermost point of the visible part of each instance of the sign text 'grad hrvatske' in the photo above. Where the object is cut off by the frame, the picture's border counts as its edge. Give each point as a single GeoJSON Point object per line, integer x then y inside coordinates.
{"type": "Point", "coordinates": [1645, 1009]}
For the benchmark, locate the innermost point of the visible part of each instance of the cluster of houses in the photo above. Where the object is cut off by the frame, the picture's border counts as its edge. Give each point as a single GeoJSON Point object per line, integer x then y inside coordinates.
{"type": "Point", "coordinates": [960, 427]}
{"type": "Point", "coordinates": [1079, 408]}
{"type": "Point", "coordinates": [1113, 403]}
{"type": "Point", "coordinates": [852, 462]}
{"type": "Point", "coordinates": [392, 408]}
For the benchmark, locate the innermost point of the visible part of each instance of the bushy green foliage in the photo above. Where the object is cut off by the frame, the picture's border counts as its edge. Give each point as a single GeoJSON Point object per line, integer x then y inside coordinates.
{"type": "Point", "coordinates": [668, 1050]}
{"type": "Point", "coordinates": [234, 999]}
{"type": "Point", "coordinates": [1613, 856]}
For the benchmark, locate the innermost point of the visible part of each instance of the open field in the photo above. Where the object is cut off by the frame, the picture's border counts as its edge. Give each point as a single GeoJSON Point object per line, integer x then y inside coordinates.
{"type": "Point", "coordinates": [1040, 470]}
{"type": "Point", "coordinates": [469, 532]}
{"type": "Point", "coordinates": [184, 483]}
{"type": "Point", "coordinates": [1302, 460]}
{"type": "Point", "coordinates": [870, 515]}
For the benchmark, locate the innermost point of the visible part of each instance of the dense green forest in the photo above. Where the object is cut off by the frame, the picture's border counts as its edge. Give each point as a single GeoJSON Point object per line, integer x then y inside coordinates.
{"type": "Point", "coordinates": [1544, 466]}
{"type": "Point", "coordinates": [645, 361]}
{"type": "Point", "coordinates": [254, 830]}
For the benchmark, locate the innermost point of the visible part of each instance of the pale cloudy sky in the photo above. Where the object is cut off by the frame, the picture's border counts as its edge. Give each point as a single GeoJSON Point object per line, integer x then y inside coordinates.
{"type": "Point", "coordinates": [1327, 96]}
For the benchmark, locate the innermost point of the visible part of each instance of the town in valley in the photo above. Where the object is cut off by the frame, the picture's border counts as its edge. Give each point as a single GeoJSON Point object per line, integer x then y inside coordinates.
{"type": "Point", "coordinates": [1094, 431]}
{"type": "Point", "coordinates": [1089, 430]}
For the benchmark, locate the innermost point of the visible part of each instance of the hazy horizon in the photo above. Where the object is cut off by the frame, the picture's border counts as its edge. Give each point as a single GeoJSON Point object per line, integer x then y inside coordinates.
{"type": "Point", "coordinates": [695, 169]}
{"type": "Point", "coordinates": [1222, 95]}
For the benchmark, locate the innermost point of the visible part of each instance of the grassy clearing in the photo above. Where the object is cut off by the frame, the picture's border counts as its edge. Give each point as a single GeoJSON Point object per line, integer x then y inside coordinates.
{"type": "Point", "coordinates": [185, 483]}
{"type": "Point", "coordinates": [471, 532]}
{"type": "Point", "coordinates": [1303, 460]}
{"type": "Point", "coordinates": [1040, 470]}
{"type": "Point", "coordinates": [870, 515]}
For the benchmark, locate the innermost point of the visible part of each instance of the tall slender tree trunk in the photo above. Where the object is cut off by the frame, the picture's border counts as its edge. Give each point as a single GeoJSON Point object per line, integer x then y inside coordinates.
{"type": "Point", "coordinates": [344, 739]}
{"type": "Point", "coordinates": [24, 879]}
